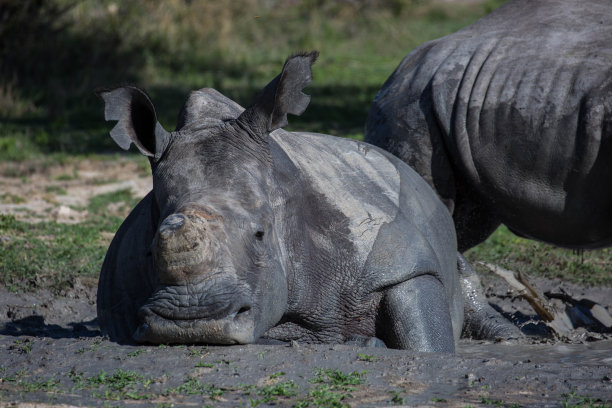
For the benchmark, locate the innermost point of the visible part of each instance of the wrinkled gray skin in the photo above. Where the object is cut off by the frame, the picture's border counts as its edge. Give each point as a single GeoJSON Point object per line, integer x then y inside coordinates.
{"type": "Point", "coordinates": [509, 120]}
{"type": "Point", "coordinates": [252, 232]}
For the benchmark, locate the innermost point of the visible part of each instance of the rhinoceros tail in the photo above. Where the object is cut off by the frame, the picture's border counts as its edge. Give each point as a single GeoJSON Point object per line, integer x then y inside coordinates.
{"type": "Point", "coordinates": [481, 321]}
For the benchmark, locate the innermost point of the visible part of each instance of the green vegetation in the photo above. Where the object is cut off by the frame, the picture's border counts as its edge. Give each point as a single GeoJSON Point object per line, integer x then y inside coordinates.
{"type": "Point", "coordinates": [11, 199]}
{"type": "Point", "coordinates": [51, 254]}
{"type": "Point", "coordinates": [99, 204]}
{"type": "Point", "coordinates": [396, 398]}
{"type": "Point", "coordinates": [136, 352]}
{"type": "Point", "coordinates": [55, 189]}
{"type": "Point", "coordinates": [366, 357]}
{"type": "Point", "coordinates": [508, 251]}
{"type": "Point", "coordinates": [56, 52]}
{"type": "Point", "coordinates": [333, 388]}
{"type": "Point", "coordinates": [489, 401]}
{"type": "Point", "coordinates": [121, 385]}
{"type": "Point", "coordinates": [22, 346]}
{"type": "Point", "coordinates": [117, 381]}
{"type": "Point", "coordinates": [574, 400]}
{"type": "Point", "coordinates": [192, 386]}
{"type": "Point", "coordinates": [337, 378]}
{"type": "Point", "coordinates": [329, 388]}
{"type": "Point", "coordinates": [271, 393]}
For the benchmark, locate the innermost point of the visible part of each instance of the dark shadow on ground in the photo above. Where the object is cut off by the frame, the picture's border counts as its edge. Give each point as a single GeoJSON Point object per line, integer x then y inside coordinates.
{"type": "Point", "coordinates": [35, 326]}
{"type": "Point", "coordinates": [530, 325]}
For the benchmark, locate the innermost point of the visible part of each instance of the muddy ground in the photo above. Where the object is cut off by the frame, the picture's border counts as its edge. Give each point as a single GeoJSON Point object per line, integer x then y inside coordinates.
{"type": "Point", "coordinates": [52, 352]}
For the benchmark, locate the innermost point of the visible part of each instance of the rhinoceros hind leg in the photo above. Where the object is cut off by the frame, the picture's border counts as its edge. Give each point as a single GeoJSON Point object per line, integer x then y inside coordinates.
{"type": "Point", "coordinates": [415, 315]}
{"type": "Point", "coordinates": [481, 321]}
{"type": "Point", "coordinates": [473, 218]}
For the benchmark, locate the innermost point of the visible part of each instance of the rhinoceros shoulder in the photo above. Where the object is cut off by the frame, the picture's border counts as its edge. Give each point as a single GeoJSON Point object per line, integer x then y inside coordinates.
{"type": "Point", "coordinates": [365, 184]}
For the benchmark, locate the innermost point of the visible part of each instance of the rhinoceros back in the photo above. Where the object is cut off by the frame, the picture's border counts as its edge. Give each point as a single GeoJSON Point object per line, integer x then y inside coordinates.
{"type": "Point", "coordinates": [522, 101]}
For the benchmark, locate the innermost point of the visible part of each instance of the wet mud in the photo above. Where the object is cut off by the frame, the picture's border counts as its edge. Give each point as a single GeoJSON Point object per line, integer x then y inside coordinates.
{"type": "Point", "coordinates": [53, 354]}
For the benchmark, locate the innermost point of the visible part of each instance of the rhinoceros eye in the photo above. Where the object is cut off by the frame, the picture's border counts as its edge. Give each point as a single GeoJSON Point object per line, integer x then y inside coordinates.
{"type": "Point", "coordinates": [259, 235]}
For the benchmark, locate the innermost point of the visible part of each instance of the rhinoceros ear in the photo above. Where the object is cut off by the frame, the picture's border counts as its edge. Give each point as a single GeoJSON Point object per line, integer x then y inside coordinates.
{"type": "Point", "coordinates": [284, 94]}
{"type": "Point", "coordinates": [136, 120]}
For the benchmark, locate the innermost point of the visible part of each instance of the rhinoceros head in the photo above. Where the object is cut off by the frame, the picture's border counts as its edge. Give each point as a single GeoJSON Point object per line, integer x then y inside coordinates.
{"type": "Point", "coordinates": [217, 267]}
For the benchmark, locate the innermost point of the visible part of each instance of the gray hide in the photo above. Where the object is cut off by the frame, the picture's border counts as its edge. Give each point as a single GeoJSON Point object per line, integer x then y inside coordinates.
{"type": "Point", "coordinates": [509, 120]}
{"type": "Point", "coordinates": [253, 232]}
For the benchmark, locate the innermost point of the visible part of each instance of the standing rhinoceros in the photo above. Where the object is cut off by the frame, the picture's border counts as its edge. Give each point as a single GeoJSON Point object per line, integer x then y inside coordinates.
{"type": "Point", "coordinates": [251, 231]}
{"type": "Point", "coordinates": [510, 120]}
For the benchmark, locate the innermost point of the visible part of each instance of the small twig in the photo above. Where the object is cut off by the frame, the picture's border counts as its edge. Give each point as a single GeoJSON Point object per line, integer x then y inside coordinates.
{"type": "Point", "coordinates": [519, 282]}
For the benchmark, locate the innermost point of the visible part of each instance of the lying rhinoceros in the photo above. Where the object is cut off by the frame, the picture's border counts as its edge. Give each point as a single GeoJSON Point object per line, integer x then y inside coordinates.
{"type": "Point", "coordinates": [252, 232]}
{"type": "Point", "coordinates": [510, 120]}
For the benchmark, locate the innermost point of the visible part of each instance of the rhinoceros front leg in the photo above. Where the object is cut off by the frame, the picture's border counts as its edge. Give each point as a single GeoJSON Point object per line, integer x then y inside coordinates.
{"type": "Point", "coordinates": [415, 315]}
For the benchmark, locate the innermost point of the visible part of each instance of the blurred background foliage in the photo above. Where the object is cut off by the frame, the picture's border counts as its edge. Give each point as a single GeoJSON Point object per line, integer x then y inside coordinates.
{"type": "Point", "coordinates": [54, 53]}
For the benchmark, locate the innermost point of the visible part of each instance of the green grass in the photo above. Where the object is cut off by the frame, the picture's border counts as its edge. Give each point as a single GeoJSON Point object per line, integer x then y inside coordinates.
{"type": "Point", "coordinates": [575, 400]}
{"type": "Point", "coordinates": [337, 378]}
{"type": "Point", "coordinates": [367, 357]}
{"type": "Point", "coordinates": [51, 254]}
{"type": "Point", "coordinates": [270, 393]}
{"type": "Point", "coordinates": [100, 203]}
{"type": "Point", "coordinates": [191, 386]}
{"type": "Point", "coordinates": [328, 388]}
{"type": "Point", "coordinates": [55, 190]}
{"type": "Point", "coordinates": [117, 381]}
{"type": "Point", "coordinates": [120, 385]}
{"type": "Point", "coordinates": [509, 251]}
{"type": "Point", "coordinates": [396, 398]}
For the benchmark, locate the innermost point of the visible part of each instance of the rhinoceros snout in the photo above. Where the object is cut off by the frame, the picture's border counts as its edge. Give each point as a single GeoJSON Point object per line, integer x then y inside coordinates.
{"type": "Point", "coordinates": [182, 249]}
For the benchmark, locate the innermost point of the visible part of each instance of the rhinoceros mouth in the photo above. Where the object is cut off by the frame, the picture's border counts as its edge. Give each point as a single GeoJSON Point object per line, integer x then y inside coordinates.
{"type": "Point", "coordinates": [212, 299]}
{"type": "Point", "coordinates": [180, 314]}
{"type": "Point", "coordinates": [235, 328]}
{"type": "Point", "coordinates": [195, 313]}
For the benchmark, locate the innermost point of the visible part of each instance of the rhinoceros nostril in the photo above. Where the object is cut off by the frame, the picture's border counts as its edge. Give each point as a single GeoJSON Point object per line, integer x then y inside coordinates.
{"type": "Point", "coordinates": [244, 309]}
{"type": "Point", "coordinates": [242, 313]}
{"type": "Point", "coordinates": [172, 223]}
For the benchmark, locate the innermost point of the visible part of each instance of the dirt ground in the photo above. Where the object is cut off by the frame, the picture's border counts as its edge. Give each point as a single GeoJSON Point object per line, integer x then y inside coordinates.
{"type": "Point", "coordinates": [34, 191]}
{"type": "Point", "coordinates": [52, 352]}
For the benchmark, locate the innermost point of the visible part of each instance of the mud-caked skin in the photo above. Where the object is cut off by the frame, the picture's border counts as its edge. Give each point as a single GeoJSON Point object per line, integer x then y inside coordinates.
{"type": "Point", "coordinates": [252, 232]}
{"type": "Point", "coordinates": [510, 121]}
